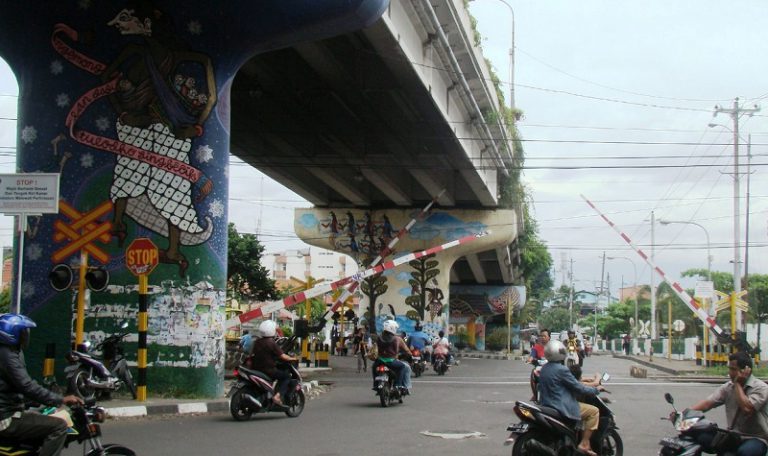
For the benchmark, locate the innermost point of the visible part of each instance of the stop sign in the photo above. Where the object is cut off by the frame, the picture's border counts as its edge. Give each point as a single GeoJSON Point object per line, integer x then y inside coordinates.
{"type": "Point", "coordinates": [141, 256]}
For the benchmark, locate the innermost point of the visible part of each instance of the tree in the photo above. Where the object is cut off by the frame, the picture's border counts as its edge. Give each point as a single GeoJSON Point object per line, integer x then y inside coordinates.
{"type": "Point", "coordinates": [554, 319]}
{"type": "Point", "coordinates": [373, 287]}
{"type": "Point", "coordinates": [425, 270]}
{"type": "Point", "coordinates": [247, 279]}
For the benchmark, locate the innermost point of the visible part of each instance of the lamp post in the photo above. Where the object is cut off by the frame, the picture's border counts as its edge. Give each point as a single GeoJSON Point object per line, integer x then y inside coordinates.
{"type": "Point", "coordinates": [709, 275]}
{"type": "Point", "coordinates": [634, 267]}
{"type": "Point", "coordinates": [511, 56]}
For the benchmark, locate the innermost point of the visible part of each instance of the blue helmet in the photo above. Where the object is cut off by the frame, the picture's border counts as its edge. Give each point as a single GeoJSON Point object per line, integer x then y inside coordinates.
{"type": "Point", "coordinates": [12, 326]}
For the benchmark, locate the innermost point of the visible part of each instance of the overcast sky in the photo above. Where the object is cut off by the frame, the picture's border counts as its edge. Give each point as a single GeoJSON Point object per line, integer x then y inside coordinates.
{"type": "Point", "coordinates": [598, 80]}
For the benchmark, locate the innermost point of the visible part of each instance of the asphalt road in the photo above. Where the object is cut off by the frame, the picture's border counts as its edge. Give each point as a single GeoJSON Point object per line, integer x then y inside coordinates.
{"type": "Point", "coordinates": [476, 396]}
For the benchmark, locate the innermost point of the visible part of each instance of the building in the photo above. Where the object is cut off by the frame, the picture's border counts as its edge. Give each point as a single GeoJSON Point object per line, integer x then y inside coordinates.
{"type": "Point", "coordinates": [309, 262]}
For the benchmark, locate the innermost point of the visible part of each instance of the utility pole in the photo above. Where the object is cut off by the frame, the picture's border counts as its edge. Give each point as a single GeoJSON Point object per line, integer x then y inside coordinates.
{"type": "Point", "coordinates": [736, 112]}
{"type": "Point", "coordinates": [653, 276]}
{"type": "Point", "coordinates": [570, 298]}
{"type": "Point", "coordinates": [602, 291]}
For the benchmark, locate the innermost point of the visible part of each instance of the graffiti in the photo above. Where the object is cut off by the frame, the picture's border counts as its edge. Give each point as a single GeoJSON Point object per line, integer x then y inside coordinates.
{"type": "Point", "coordinates": [367, 238]}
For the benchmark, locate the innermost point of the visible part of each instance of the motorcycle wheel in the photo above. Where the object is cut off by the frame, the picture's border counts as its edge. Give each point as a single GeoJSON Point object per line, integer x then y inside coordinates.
{"type": "Point", "coordinates": [384, 394]}
{"type": "Point", "coordinates": [78, 385]}
{"type": "Point", "coordinates": [520, 446]}
{"type": "Point", "coordinates": [417, 372]}
{"type": "Point", "coordinates": [570, 362]}
{"type": "Point", "coordinates": [128, 379]}
{"type": "Point", "coordinates": [235, 407]}
{"type": "Point", "coordinates": [296, 404]}
{"type": "Point", "coordinates": [113, 449]}
{"type": "Point", "coordinates": [611, 444]}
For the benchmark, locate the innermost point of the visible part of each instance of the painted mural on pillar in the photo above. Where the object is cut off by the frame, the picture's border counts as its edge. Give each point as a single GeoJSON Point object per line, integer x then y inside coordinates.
{"type": "Point", "coordinates": [161, 94]}
{"type": "Point", "coordinates": [472, 306]}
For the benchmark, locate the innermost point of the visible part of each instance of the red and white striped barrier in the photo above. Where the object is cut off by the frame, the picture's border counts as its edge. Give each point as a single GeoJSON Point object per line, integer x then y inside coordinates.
{"type": "Point", "coordinates": [323, 288]}
{"type": "Point", "coordinates": [385, 252]}
{"type": "Point", "coordinates": [678, 289]}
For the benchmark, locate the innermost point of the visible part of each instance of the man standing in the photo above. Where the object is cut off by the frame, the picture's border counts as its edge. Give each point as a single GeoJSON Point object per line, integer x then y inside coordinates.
{"type": "Point", "coordinates": [745, 398]}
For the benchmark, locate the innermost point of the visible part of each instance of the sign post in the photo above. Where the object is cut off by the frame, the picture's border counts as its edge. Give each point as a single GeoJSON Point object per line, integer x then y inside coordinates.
{"type": "Point", "coordinates": [24, 195]}
{"type": "Point", "coordinates": [141, 257]}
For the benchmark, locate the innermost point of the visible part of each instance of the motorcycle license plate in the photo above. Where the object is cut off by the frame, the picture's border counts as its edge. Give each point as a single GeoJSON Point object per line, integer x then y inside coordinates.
{"type": "Point", "coordinates": [518, 428]}
{"type": "Point", "coordinates": [417, 358]}
{"type": "Point", "coordinates": [674, 443]}
{"type": "Point", "coordinates": [382, 378]}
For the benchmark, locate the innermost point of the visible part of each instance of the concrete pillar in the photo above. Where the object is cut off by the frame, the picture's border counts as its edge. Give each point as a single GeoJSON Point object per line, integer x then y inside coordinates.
{"type": "Point", "coordinates": [420, 290]}
{"type": "Point", "coordinates": [130, 102]}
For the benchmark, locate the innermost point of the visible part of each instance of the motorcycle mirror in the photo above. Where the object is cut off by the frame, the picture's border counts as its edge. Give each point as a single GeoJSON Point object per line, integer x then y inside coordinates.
{"type": "Point", "coordinates": [606, 376]}
{"type": "Point", "coordinates": [668, 398]}
{"type": "Point", "coordinates": [87, 344]}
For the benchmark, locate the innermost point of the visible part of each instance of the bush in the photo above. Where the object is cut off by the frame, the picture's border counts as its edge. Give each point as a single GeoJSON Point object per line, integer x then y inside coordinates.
{"type": "Point", "coordinates": [496, 340]}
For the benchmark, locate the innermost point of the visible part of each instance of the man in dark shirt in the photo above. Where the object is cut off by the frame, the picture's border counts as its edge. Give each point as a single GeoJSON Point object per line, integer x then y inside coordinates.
{"type": "Point", "coordinates": [264, 356]}
{"type": "Point", "coordinates": [16, 384]}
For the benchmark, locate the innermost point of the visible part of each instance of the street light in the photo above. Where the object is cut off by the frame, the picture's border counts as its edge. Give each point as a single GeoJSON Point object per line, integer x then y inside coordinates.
{"type": "Point", "coordinates": [709, 255]}
{"type": "Point", "coordinates": [634, 267]}
{"type": "Point", "coordinates": [511, 56]}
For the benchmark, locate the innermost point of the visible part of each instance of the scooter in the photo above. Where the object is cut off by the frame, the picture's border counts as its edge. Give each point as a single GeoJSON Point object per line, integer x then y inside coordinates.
{"type": "Point", "coordinates": [440, 364]}
{"type": "Point", "coordinates": [384, 385]}
{"type": "Point", "coordinates": [254, 390]}
{"type": "Point", "coordinates": [543, 431]}
{"type": "Point", "coordinates": [418, 363]}
{"type": "Point", "coordinates": [84, 427]}
{"type": "Point", "coordinates": [572, 358]}
{"type": "Point", "coordinates": [87, 375]}
{"type": "Point", "coordinates": [697, 435]}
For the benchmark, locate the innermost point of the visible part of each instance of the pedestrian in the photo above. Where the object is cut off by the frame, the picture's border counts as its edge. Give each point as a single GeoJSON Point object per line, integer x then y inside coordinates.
{"type": "Point", "coordinates": [625, 346]}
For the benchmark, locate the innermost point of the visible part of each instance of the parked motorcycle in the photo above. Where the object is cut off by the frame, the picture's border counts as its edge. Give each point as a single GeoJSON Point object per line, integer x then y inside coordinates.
{"type": "Point", "coordinates": [697, 435]}
{"type": "Point", "coordinates": [543, 431]}
{"type": "Point", "coordinates": [87, 375]}
{"type": "Point", "coordinates": [418, 363]}
{"type": "Point", "coordinates": [85, 427]}
{"type": "Point", "coordinates": [384, 384]}
{"type": "Point", "coordinates": [440, 364]}
{"type": "Point", "coordinates": [253, 390]}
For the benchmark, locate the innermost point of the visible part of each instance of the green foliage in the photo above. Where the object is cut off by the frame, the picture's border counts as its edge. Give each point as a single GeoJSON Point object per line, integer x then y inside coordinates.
{"type": "Point", "coordinates": [496, 340]}
{"type": "Point", "coordinates": [287, 331]}
{"type": "Point", "coordinates": [246, 278]}
{"type": "Point", "coordinates": [556, 319]}
{"type": "Point", "coordinates": [316, 310]}
{"type": "Point", "coordinates": [5, 300]}
{"type": "Point", "coordinates": [723, 281]}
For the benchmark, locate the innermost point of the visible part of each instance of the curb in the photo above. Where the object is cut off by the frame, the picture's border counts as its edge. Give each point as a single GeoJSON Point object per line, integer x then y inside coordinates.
{"type": "Point", "coordinates": [666, 370]}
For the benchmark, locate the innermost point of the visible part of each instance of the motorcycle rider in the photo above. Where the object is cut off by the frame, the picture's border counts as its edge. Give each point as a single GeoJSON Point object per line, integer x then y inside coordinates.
{"type": "Point", "coordinates": [745, 398]}
{"type": "Point", "coordinates": [389, 345]}
{"type": "Point", "coordinates": [537, 354]}
{"type": "Point", "coordinates": [16, 384]}
{"type": "Point", "coordinates": [574, 343]}
{"type": "Point", "coordinates": [442, 348]}
{"type": "Point", "coordinates": [419, 340]}
{"type": "Point", "coordinates": [264, 355]}
{"type": "Point", "coordinates": [559, 388]}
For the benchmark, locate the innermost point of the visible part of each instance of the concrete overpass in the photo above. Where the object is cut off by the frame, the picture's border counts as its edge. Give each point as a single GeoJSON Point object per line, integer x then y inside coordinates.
{"type": "Point", "coordinates": [384, 117]}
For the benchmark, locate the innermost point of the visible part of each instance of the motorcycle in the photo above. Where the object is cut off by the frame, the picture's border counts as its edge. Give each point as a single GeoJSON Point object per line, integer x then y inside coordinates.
{"type": "Point", "coordinates": [87, 375]}
{"type": "Point", "coordinates": [572, 358]}
{"type": "Point", "coordinates": [542, 431]}
{"type": "Point", "coordinates": [440, 364]}
{"type": "Point", "coordinates": [253, 391]}
{"type": "Point", "coordinates": [697, 435]}
{"type": "Point", "coordinates": [84, 427]}
{"type": "Point", "coordinates": [384, 385]}
{"type": "Point", "coordinates": [418, 363]}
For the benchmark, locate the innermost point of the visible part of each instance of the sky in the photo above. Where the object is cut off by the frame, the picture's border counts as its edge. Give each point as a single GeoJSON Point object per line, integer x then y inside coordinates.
{"type": "Point", "coordinates": [621, 92]}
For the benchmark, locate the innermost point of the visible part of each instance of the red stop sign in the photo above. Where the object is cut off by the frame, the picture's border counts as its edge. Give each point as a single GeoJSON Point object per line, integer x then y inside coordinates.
{"type": "Point", "coordinates": [141, 256]}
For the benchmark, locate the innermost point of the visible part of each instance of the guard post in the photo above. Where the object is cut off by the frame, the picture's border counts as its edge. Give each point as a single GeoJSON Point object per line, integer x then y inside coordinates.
{"type": "Point", "coordinates": [141, 257]}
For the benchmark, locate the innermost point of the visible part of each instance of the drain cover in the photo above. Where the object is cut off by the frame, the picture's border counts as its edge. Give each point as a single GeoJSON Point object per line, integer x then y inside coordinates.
{"type": "Point", "coordinates": [454, 434]}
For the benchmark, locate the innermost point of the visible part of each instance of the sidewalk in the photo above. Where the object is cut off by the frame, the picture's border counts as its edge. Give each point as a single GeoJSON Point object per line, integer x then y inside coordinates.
{"type": "Point", "coordinates": [125, 407]}
{"type": "Point", "coordinates": [660, 363]}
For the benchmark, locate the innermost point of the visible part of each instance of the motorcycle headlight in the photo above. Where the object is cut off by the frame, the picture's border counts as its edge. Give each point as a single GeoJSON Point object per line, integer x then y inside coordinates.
{"type": "Point", "coordinates": [685, 424]}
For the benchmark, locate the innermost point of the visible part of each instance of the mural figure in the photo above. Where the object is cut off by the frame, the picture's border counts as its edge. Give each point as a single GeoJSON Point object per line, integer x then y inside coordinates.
{"type": "Point", "coordinates": [333, 227]}
{"type": "Point", "coordinates": [163, 116]}
{"type": "Point", "coordinates": [435, 296]}
{"type": "Point", "coordinates": [351, 225]}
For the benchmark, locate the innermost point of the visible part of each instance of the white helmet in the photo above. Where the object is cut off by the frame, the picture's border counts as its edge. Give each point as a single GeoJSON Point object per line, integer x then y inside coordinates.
{"type": "Point", "coordinates": [268, 328]}
{"type": "Point", "coordinates": [555, 351]}
{"type": "Point", "coordinates": [390, 326]}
